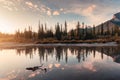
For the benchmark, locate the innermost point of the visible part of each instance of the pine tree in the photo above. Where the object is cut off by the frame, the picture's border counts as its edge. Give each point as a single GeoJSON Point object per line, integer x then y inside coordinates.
{"type": "Point", "coordinates": [17, 34]}
{"type": "Point", "coordinates": [86, 32]}
{"type": "Point", "coordinates": [58, 32]}
{"type": "Point", "coordinates": [94, 29]}
{"type": "Point", "coordinates": [93, 32]}
{"type": "Point", "coordinates": [83, 29]}
{"type": "Point", "coordinates": [102, 29]}
{"type": "Point", "coordinates": [112, 32]}
{"type": "Point", "coordinates": [108, 30]}
{"type": "Point", "coordinates": [42, 31]}
{"type": "Point", "coordinates": [72, 34]}
{"type": "Point", "coordinates": [65, 31]}
{"type": "Point", "coordinates": [62, 33]}
{"type": "Point", "coordinates": [45, 27]}
{"type": "Point", "coordinates": [78, 30]}
{"type": "Point", "coordinates": [116, 30]}
{"type": "Point", "coordinates": [65, 28]}
{"type": "Point", "coordinates": [25, 33]}
{"type": "Point", "coordinates": [30, 33]}
{"type": "Point", "coordinates": [39, 30]}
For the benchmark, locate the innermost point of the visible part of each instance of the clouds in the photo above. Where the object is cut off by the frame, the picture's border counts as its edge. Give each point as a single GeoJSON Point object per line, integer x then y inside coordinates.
{"type": "Point", "coordinates": [92, 10]}
{"type": "Point", "coordinates": [58, 7]}
{"type": "Point", "coordinates": [49, 13]}
{"type": "Point", "coordinates": [30, 4]}
{"type": "Point", "coordinates": [76, 6]}
{"type": "Point", "coordinates": [33, 7]}
{"type": "Point", "coordinates": [53, 13]}
{"type": "Point", "coordinates": [56, 13]}
{"type": "Point", "coordinates": [93, 13]}
{"type": "Point", "coordinates": [9, 5]}
{"type": "Point", "coordinates": [88, 11]}
{"type": "Point", "coordinates": [42, 9]}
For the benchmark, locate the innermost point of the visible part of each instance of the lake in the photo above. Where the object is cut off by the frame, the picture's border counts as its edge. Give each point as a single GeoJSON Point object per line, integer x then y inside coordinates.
{"type": "Point", "coordinates": [60, 63]}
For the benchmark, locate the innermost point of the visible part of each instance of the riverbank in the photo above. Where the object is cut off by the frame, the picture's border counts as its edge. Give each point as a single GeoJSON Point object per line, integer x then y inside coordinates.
{"type": "Point", "coordinates": [55, 41]}
{"type": "Point", "coordinates": [50, 41]}
{"type": "Point", "coordinates": [18, 45]}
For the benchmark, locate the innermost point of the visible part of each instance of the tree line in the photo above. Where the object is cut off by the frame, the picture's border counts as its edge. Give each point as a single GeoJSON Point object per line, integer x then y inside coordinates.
{"type": "Point", "coordinates": [60, 32]}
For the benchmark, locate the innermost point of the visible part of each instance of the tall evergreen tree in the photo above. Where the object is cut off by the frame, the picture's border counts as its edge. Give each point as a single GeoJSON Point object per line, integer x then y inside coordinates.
{"type": "Point", "coordinates": [108, 30]}
{"type": "Point", "coordinates": [78, 30]}
{"type": "Point", "coordinates": [83, 26]}
{"type": "Point", "coordinates": [72, 34]}
{"type": "Point", "coordinates": [58, 32]}
{"type": "Point", "coordinates": [112, 32]}
{"type": "Point", "coordinates": [39, 31]}
{"type": "Point", "coordinates": [102, 29]}
{"type": "Point", "coordinates": [94, 31]}
{"type": "Point", "coordinates": [86, 32]}
{"type": "Point", "coordinates": [65, 28]}
{"type": "Point", "coordinates": [65, 31]}
{"type": "Point", "coordinates": [30, 33]}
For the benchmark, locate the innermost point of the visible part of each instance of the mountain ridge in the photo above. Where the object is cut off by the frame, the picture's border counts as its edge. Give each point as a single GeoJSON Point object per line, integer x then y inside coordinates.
{"type": "Point", "coordinates": [111, 24]}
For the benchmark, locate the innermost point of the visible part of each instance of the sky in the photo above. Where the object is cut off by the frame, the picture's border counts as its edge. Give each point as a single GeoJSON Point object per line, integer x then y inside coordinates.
{"type": "Point", "coordinates": [18, 14]}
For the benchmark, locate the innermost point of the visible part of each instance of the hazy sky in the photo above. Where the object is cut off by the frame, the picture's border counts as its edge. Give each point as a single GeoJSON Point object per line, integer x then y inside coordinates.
{"type": "Point", "coordinates": [16, 14]}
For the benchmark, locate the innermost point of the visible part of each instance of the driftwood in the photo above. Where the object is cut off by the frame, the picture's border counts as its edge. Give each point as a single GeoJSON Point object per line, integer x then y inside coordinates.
{"type": "Point", "coordinates": [37, 68]}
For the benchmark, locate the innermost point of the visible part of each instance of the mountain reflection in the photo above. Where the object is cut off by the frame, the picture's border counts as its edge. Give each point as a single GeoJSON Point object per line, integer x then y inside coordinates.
{"type": "Point", "coordinates": [63, 52]}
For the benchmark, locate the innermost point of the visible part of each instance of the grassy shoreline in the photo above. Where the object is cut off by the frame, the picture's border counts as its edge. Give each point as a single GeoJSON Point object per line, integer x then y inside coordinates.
{"type": "Point", "coordinates": [53, 41]}
{"type": "Point", "coordinates": [76, 41]}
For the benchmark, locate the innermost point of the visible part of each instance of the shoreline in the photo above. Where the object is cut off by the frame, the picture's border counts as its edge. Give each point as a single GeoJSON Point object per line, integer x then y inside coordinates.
{"type": "Point", "coordinates": [80, 44]}
{"type": "Point", "coordinates": [17, 45]}
{"type": "Point", "coordinates": [99, 41]}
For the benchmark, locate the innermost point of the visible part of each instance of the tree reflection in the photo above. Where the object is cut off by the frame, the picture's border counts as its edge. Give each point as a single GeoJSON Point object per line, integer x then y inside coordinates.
{"type": "Point", "coordinates": [61, 53]}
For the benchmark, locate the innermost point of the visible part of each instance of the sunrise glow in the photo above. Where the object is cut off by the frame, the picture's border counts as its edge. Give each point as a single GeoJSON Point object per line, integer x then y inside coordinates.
{"type": "Point", "coordinates": [16, 14]}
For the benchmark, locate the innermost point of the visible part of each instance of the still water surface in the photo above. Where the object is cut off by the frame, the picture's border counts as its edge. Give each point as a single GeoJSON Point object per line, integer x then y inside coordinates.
{"type": "Point", "coordinates": [60, 63]}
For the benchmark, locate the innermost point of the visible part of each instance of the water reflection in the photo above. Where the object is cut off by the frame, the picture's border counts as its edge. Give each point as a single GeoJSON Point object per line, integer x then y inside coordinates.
{"type": "Point", "coordinates": [60, 63]}
{"type": "Point", "coordinates": [81, 53]}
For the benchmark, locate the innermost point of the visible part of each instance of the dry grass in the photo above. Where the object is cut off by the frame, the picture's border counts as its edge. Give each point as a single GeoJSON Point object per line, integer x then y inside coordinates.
{"type": "Point", "coordinates": [51, 40]}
